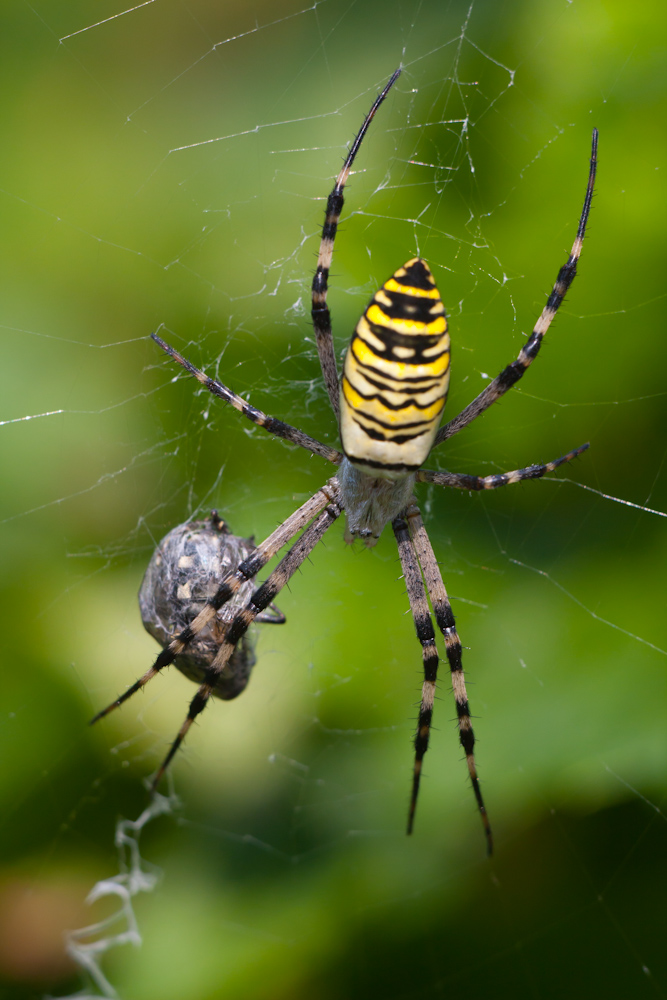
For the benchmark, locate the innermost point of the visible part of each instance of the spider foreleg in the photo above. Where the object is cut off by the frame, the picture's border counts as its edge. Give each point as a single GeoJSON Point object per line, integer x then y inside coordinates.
{"type": "Point", "coordinates": [320, 311]}
{"type": "Point", "coordinates": [445, 620]}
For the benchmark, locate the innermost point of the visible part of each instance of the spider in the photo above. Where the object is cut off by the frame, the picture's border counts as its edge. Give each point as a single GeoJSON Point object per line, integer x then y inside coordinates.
{"type": "Point", "coordinates": [388, 405]}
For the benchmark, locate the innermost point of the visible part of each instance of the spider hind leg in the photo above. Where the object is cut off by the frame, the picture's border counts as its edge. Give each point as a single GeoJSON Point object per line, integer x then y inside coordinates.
{"type": "Point", "coordinates": [420, 567]}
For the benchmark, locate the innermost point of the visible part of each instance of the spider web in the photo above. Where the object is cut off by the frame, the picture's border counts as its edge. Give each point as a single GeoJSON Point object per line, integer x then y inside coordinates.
{"type": "Point", "coordinates": [168, 166]}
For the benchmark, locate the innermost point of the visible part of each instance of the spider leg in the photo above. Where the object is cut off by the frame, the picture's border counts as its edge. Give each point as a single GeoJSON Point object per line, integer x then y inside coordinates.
{"type": "Point", "coordinates": [463, 482]}
{"type": "Point", "coordinates": [510, 376]}
{"type": "Point", "coordinates": [245, 571]}
{"type": "Point", "coordinates": [270, 424]}
{"type": "Point", "coordinates": [445, 620]}
{"type": "Point", "coordinates": [259, 600]}
{"type": "Point", "coordinates": [424, 628]}
{"type": "Point", "coordinates": [320, 311]}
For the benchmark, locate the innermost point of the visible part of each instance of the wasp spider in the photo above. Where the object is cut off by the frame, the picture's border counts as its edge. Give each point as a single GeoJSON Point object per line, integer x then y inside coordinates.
{"type": "Point", "coordinates": [388, 404]}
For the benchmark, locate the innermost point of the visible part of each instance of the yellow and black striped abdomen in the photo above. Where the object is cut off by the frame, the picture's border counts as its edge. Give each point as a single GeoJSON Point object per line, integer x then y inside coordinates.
{"type": "Point", "coordinates": [396, 375]}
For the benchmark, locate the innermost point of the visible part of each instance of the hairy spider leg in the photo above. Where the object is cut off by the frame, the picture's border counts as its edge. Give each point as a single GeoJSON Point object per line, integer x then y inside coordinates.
{"type": "Point", "coordinates": [444, 618]}
{"type": "Point", "coordinates": [320, 311]}
{"type": "Point", "coordinates": [460, 481]}
{"type": "Point", "coordinates": [271, 424]}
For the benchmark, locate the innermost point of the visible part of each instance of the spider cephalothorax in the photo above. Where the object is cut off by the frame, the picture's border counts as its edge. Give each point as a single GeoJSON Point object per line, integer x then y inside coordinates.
{"type": "Point", "coordinates": [388, 406]}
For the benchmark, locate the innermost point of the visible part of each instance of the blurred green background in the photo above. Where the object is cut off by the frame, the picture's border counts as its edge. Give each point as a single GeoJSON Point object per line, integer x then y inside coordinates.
{"type": "Point", "coordinates": [169, 166]}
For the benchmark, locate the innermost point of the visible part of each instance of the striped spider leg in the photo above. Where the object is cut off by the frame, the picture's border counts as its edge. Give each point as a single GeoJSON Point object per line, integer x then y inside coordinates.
{"type": "Point", "coordinates": [271, 424]}
{"type": "Point", "coordinates": [510, 375]}
{"type": "Point", "coordinates": [417, 561]}
{"type": "Point", "coordinates": [319, 310]}
{"type": "Point", "coordinates": [461, 481]}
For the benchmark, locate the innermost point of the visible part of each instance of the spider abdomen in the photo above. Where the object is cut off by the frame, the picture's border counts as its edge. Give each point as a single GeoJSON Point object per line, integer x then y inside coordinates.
{"type": "Point", "coordinates": [396, 375]}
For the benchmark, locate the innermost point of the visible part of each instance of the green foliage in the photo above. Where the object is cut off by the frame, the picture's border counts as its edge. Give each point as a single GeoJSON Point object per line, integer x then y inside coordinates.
{"type": "Point", "coordinates": [286, 871]}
